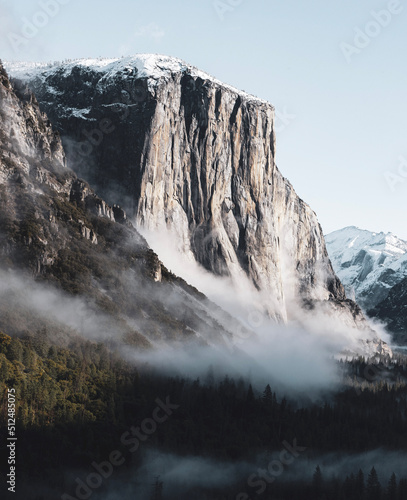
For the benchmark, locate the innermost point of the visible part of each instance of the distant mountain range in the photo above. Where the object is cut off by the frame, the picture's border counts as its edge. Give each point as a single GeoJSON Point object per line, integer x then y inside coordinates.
{"type": "Point", "coordinates": [373, 269]}
{"type": "Point", "coordinates": [393, 311]}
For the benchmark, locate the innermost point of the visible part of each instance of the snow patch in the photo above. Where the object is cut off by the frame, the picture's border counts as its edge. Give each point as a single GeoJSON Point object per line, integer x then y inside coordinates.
{"type": "Point", "coordinates": [366, 262]}
{"type": "Point", "coordinates": [154, 67]}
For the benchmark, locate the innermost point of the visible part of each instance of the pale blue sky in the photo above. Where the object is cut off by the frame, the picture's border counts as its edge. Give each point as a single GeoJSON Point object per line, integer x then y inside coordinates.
{"type": "Point", "coordinates": [342, 125]}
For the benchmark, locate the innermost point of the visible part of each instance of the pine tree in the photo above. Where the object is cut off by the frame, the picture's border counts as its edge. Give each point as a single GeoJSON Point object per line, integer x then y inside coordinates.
{"type": "Point", "coordinates": [4, 342]}
{"type": "Point", "coordinates": [392, 488]}
{"type": "Point", "coordinates": [250, 395]}
{"type": "Point", "coordinates": [158, 490]}
{"type": "Point", "coordinates": [267, 397]}
{"type": "Point", "coordinates": [15, 350]}
{"type": "Point", "coordinates": [317, 482]}
{"type": "Point", "coordinates": [360, 484]}
{"type": "Point", "coordinates": [3, 370]}
{"type": "Point", "coordinates": [349, 487]}
{"type": "Point", "coordinates": [373, 487]}
{"type": "Point", "coordinates": [402, 490]}
{"type": "Point", "coordinates": [210, 377]}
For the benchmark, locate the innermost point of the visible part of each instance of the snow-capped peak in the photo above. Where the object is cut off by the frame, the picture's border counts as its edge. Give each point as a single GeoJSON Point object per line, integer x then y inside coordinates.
{"type": "Point", "coordinates": [367, 263]}
{"type": "Point", "coordinates": [151, 66]}
{"type": "Point", "coordinates": [355, 238]}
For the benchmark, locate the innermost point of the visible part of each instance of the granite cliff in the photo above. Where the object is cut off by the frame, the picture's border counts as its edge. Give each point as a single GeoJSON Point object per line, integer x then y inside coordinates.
{"type": "Point", "coordinates": [55, 230]}
{"type": "Point", "coordinates": [184, 152]}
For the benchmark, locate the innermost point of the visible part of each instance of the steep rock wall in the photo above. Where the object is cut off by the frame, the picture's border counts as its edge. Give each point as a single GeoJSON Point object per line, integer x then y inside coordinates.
{"type": "Point", "coordinates": [184, 152]}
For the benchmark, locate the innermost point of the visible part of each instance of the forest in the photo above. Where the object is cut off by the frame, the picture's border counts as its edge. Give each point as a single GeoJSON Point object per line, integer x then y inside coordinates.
{"type": "Point", "coordinates": [73, 403]}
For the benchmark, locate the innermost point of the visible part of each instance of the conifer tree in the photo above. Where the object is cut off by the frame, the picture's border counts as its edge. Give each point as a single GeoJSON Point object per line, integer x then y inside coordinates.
{"type": "Point", "coordinates": [267, 397]}
{"type": "Point", "coordinates": [317, 482]}
{"type": "Point", "coordinates": [373, 487]}
{"type": "Point", "coordinates": [392, 488]}
{"type": "Point", "coordinates": [360, 484]}
{"type": "Point", "coordinates": [250, 394]}
{"type": "Point", "coordinates": [402, 489]}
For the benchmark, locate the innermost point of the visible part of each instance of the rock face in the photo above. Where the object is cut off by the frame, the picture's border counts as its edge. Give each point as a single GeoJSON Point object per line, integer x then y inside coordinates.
{"type": "Point", "coordinates": [25, 130]}
{"type": "Point", "coordinates": [368, 264]}
{"type": "Point", "coordinates": [185, 152]}
{"type": "Point", "coordinates": [56, 230]}
{"type": "Point", "coordinates": [393, 312]}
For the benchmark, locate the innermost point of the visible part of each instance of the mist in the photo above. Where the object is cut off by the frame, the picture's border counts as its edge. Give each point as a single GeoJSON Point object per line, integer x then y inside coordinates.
{"type": "Point", "coordinates": [291, 359]}
{"type": "Point", "coordinates": [295, 357]}
{"type": "Point", "coordinates": [242, 300]}
{"type": "Point", "coordinates": [185, 477]}
{"type": "Point", "coordinates": [27, 305]}
{"type": "Point", "coordinates": [294, 363]}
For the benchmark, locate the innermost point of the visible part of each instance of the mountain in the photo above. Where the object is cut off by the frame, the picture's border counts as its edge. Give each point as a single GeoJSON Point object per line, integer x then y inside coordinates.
{"type": "Point", "coordinates": [186, 153]}
{"type": "Point", "coordinates": [368, 264]}
{"type": "Point", "coordinates": [83, 302]}
{"type": "Point", "coordinates": [393, 311]}
{"type": "Point", "coordinates": [67, 254]}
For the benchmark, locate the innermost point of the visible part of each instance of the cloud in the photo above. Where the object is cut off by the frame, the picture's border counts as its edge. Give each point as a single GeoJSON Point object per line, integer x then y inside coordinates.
{"type": "Point", "coordinates": [28, 305]}
{"type": "Point", "coordinates": [327, 321]}
{"type": "Point", "coordinates": [294, 357]}
{"type": "Point", "coordinates": [290, 361]}
{"type": "Point", "coordinates": [185, 477]}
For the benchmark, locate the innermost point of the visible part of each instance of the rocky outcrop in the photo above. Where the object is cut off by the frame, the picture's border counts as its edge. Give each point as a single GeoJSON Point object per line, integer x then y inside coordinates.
{"type": "Point", "coordinates": [392, 311]}
{"type": "Point", "coordinates": [25, 130]}
{"type": "Point", "coordinates": [184, 152]}
{"type": "Point", "coordinates": [55, 229]}
{"type": "Point", "coordinates": [32, 158]}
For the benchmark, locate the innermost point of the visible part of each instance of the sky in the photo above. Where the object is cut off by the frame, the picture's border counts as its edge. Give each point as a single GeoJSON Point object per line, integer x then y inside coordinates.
{"type": "Point", "coordinates": [336, 73]}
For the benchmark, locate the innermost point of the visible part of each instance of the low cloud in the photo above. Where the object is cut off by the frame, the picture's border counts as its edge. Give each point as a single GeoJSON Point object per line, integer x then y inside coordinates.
{"type": "Point", "coordinates": [28, 305]}
{"type": "Point", "coordinates": [185, 477]}
{"type": "Point", "coordinates": [299, 354]}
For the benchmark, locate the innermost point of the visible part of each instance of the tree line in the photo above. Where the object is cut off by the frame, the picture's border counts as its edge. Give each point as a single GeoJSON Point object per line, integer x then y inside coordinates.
{"type": "Point", "coordinates": [76, 401]}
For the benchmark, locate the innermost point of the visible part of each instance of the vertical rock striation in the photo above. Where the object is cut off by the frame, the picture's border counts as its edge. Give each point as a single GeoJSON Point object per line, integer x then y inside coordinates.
{"type": "Point", "coordinates": [182, 151]}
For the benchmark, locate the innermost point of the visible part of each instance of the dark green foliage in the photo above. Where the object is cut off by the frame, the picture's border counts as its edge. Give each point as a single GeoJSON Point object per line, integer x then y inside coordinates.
{"type": "Point", "coordinates": [77, 402]}
{"type": "Point", "coordinates": [60, 385]}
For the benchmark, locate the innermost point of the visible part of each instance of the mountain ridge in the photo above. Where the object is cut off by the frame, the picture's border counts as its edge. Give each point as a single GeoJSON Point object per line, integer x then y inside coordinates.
{"type": "Point", "coordinates": [392, 311]}
{"type": "Point", "coordinates": [198, 160]}
{"type": "Point", "coordinates": [369, 264]}
{"type": "Point", "coordinates": [55, 230]}
{"type": "Point", "coordinates": [196, 157]}
{"type": "Point", "coordinates": [150, 66]}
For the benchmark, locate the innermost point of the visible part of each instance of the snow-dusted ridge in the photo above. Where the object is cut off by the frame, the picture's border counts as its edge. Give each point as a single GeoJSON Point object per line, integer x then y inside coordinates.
{"type": "Point", "coordinates": [178, 171]}
{"type": "Point", "coordinates": [368, 264]}
{"type": "Point", "coordinates": [151, 66]}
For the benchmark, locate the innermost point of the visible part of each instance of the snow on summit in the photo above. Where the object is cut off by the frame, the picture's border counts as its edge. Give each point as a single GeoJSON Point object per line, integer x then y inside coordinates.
{"type": "Point", "coordinates": [151, 66]}
{"type": "Point", "coordinates": [367, 263]}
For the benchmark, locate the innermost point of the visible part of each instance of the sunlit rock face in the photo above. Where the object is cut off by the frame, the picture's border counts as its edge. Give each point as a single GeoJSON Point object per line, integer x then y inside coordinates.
{"type": "Point", "coordinates": [56, 230]}
{"type": "Point", "coordinates": [182, 151]}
